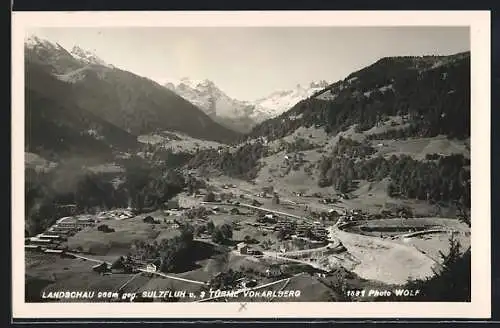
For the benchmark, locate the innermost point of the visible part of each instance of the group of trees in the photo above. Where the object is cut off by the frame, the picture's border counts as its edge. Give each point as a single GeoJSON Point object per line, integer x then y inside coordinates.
{"type": "Point", "coordinates": [105, 228]}
{"type": "Point", "coordinates": [298, 144]}
{"type": "Point", "coordinates": [435, 98]}
{"type": "Point", "coordinates": [194, 184]}
{"type": "Point", "coordinates": [150, 186]}
{"type": "Point", "coordinates": [141, 186]}
{"type": "Point", "coordinates": [221, 234]}
{"type": "Point", "coordinates": [243, 163]}
{"type": "Point", "coordinates": [168, 254]}
{"type": "Point", "coordinates": [226, 280]}
{"type": "Point", "coordinates": [445, 179]}
{"type": "Point", "coordinates": [413, 130]}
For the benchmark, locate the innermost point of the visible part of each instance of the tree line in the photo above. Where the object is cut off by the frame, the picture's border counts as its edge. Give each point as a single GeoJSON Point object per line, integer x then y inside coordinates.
{"type": "Point", "coordinates": [445, 179]}
{"type": "Point", "coordinates": [242, 163]}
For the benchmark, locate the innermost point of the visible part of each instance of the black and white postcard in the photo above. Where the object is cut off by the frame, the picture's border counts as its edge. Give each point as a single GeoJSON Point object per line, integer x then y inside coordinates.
{"type": "Point", "coordinates": [251, 164]}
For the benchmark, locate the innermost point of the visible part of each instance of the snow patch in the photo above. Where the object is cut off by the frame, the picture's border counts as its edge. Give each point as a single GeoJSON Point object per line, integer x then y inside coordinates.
{"type": "Point", "coordinates": [327, 95]}
{"type": "Point", "coordinates": [87, 57]}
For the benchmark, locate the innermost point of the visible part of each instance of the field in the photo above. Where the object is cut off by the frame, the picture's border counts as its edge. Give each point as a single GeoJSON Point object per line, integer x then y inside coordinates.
{"type": "Point", "coordinates": [62, 274]}
{"type": "Point", "coordinates": [397, 257]}
{"type": "Point", "coordinates": [119, 241]}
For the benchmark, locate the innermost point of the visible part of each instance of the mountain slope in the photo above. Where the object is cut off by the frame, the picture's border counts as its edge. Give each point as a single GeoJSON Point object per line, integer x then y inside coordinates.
{"type": "Point", "coordinates": [232, 113]}
{"type": "Point", "coordinates": [431, 94]}
{"type": "Point", "coordinates": [56, 127]}
{"type": "Point", "coordinates": [130, 102]}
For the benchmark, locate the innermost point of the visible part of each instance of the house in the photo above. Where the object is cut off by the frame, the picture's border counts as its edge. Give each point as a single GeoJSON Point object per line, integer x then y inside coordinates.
{"type": "Point", "coordinates": [151, 267]}
{"type": "Point", "coordinates": [274, 271]}
{"type": "Point", "coordinates": [85, 222]}
{"type": "Point", "coordinates": [246, 283]}
{"type": "Point", "coordinates": [242, 248]}
{"type": "Point", "coordinates": [51, 237]}
{"type": "Point", "coordinates": [67, 224]}
{"type": "Point", "coordinates": [68, 209]}
{"type": "Point", "coordinates": [53, 251]}
{"type": "Point", "coordinates": [39, 241]}
{"type": "Point", "coordinates": [256, 203]}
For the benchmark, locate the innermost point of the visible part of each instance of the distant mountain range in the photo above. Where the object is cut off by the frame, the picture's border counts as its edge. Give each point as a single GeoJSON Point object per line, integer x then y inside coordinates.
{"type": "Point", "coordinates": [237, 114]}
{"type": "Point", "coordinates": [70, 93]}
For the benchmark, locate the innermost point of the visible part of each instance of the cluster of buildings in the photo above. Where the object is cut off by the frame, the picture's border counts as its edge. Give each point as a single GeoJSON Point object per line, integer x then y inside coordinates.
{"type": "Point", "coordinates": [314, 231]}
{"type": "Point", "coordinates": [301, 230]}
{"type": "Point", "coordinates": [245, 249]}
{"type": "Point", "coordinates": [120, 214]}
{"type": "Point", "coordinates": [52, 239]}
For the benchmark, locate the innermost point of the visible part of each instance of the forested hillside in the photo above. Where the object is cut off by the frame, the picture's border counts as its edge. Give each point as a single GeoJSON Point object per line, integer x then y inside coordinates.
{"type": "Point", "coordinates": [57, 127]}
{"type": "Point", "coordinates": [432, 93]}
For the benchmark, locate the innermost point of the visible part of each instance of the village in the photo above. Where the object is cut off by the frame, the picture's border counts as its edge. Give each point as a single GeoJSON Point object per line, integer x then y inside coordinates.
{"type": "Point", "coordinates": [271, 239]}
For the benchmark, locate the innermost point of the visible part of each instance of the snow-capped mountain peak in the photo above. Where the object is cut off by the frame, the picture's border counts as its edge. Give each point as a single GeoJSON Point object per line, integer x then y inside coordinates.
{"type": "Point", "coordinates": [280, 101]}
{"type": "Point", "coordinates": [214, 102]}
{"type": "Point", "coordinates": [87, 56]}
{"type": "Point", "coordinates": [207, 96]}
{"type": "Point", "coordinates": [50, 51]}
{"type": "Point", "coordinates": [33, 42]}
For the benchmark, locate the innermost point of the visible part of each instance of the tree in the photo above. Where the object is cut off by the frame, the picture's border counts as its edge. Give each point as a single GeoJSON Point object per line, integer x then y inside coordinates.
{"type": "Point", "coordinates": [453, 254]}
{"type": "Point", "coordinates": [199, 229]}
{"type": "Point", "coordinates": [222, 233]}
{"type": "Point", "coordinates": [209, 197]}
{"type": "Point", "coordinates": [276, 199]}
{"type": "Point", "coordinates": [210, 227]}
{"type": "Point", "coordinates": [119, 263]}
{"type": "Point", "coordinates": [282, 234]}
{"type": "Point", "coordinates": [105, 228]}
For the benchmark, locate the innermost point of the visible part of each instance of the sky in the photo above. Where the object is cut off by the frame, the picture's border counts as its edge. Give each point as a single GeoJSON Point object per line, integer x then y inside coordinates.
{"type": "Point", "coordinates": [249, 63]}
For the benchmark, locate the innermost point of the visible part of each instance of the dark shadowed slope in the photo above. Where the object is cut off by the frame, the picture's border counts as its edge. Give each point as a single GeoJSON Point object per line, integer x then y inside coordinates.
{"type": "Point", "coordinates": [55, 125]}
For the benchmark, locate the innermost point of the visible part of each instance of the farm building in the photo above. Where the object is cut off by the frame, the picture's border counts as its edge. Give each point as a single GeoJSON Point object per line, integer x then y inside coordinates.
{"type": "Point", "coordinates": [273, 271]}
{"type": "Point", "coordinates": [53, 251]}
{"type": "Point", "coordinates": [67, 209]}
{"type": "Point", "coordinates": [63, 219]}
{"type": "Point", "coordinates": [67, 224]}
{"type": "Point", "coordinates": [51, 237]}
{"type": "Point", "coordinates": [242, 248]}
{"type": "Point", "coordinates": [172, 204]}
{"type": "Point", "coordinates": [151, 267]}
{"type": "Point", "coordinates": [85, 222]}
{"type": "Point", "coordinates": [39, 241]}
